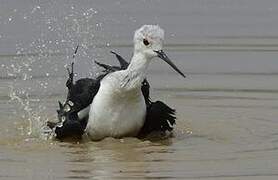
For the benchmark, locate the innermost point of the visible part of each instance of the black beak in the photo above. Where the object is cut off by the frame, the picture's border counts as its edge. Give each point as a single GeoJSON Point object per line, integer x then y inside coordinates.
{"type": "Point", "coordinates": [165, 58]}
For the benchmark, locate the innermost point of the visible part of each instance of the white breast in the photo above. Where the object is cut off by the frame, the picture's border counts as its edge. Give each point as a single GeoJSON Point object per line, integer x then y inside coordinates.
{"type": "Point", "coordinates": [116, 111]}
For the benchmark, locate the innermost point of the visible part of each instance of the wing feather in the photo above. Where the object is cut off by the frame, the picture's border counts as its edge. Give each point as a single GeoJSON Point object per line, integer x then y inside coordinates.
{"type": "Point", "coordinates": [160, 117]}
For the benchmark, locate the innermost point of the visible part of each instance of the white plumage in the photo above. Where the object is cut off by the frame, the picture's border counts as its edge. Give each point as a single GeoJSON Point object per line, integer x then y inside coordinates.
{"type": "Point", "coordinates": [116, 110]}
{"type": "Point", "coordinates": [119, 108]}
{"type": "Point", "coordinates": [117, 103]}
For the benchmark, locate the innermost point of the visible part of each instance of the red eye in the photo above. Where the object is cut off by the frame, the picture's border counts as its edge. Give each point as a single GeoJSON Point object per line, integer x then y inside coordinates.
{"type": "Point", "coordinates": [146, 42]}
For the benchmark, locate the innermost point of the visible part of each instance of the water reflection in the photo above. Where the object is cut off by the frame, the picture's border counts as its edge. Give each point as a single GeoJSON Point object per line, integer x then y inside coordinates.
{"type": "Point", "coordinates": [114, 158]}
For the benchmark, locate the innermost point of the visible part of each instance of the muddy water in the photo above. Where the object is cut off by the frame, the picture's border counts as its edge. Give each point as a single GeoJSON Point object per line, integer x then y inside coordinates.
{"type": "Point", "coordinates": [227, 125]}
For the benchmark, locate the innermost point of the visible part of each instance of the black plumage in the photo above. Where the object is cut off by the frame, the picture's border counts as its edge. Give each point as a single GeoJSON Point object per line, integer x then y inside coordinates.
{"type": "Point", "coordinates": [160, 117]}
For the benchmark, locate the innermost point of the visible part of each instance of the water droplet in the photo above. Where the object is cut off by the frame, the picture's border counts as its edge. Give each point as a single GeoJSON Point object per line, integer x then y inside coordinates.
{"type": "Point", "coordinates": [24, 77]}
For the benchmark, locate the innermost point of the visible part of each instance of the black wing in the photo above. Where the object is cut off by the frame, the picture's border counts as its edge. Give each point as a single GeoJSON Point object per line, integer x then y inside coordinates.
{"type": "Point", "coordinates": [80, 96]}
{"type": "Point", "coordinates": [123, 63]}
{"type": "Point", "coordinates": [107, 68]}
{"type": "Point", "coordinates": [160, 117]}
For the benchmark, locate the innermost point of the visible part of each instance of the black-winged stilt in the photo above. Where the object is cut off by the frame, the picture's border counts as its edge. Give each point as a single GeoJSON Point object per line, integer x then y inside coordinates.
{"type": "Point", "coordinates": [117, 103]}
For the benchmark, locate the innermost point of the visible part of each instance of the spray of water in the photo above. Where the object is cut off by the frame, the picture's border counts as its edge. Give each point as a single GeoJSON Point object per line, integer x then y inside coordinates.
{"type": "Point", "coordinates": [37, 70]}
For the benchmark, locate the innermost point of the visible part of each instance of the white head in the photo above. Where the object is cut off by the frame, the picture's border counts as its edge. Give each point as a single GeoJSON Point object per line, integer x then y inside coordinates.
{"type": "Point", "coordinates": [148, 40]}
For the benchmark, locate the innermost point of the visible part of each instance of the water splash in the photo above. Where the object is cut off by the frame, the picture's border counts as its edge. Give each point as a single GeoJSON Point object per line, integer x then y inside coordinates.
{"type": "Point", "coordinates": [33, 118]}
{"type": "Point", "coordinates": [37, 69]}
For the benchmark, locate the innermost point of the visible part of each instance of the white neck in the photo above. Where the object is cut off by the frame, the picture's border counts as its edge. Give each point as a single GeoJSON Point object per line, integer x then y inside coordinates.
{"type": "Point", "coordinates": [136, 71]}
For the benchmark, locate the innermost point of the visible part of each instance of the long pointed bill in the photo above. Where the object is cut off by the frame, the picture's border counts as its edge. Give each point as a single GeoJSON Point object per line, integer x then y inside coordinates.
{"type": "Point", "coordinates": [165, 58]}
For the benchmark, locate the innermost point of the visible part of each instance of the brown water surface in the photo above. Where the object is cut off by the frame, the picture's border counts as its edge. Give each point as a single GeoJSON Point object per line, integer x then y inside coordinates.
{"type": "Point", "coordinates": [227, 118]}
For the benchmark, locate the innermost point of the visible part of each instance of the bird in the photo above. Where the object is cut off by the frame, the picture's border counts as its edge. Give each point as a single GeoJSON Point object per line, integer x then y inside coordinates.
{"type": "Point", "coordinates": [117, 103]}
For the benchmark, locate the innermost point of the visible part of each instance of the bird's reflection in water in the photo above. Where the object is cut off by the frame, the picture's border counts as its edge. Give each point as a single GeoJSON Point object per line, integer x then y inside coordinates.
{"type": "Point", "coordinates": [112, 158]}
